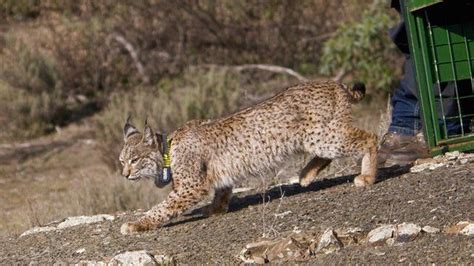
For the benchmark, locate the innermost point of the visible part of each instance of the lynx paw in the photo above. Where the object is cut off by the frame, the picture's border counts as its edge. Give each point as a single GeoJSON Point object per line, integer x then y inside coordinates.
{"type": "Point", "coordinates": [210, 210]}
{"type": "Point", "coordinates": [364, 180]}
{"type": "Point", "coordinates": [304, 182]}
{"type": "Point", "coordinates": [129, 228]}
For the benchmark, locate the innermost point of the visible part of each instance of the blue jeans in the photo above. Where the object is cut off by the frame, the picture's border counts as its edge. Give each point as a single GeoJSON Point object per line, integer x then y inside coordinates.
{"type": "Point", "coordinates": [406, 115]}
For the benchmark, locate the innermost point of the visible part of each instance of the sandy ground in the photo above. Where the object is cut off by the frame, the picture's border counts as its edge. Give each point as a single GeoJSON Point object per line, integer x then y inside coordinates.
{"type": "Point", "coordinates": [439, 198]}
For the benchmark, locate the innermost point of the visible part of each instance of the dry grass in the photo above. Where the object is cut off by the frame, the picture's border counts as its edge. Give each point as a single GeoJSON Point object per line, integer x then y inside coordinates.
{"type": "Point", "coordinates": [81, 177]}
{"type": "Point", "coordinates": [66, 181]}
{"type": "Point", "coordinates": [209, 92]}
{"type": "Point", "coordinates": [74, 180]}
{"type": "Point", "coordinates": [62, 63]}
{"type": "Point", "coordinates": [67, 59]}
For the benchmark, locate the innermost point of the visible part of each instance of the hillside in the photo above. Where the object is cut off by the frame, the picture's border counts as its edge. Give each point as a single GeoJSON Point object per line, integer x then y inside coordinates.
{"type": "Point", "coordinates": [440, 198]}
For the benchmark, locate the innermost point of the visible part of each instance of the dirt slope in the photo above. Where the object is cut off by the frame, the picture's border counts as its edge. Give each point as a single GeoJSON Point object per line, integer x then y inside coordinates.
{"type": "Point", "coordinates": [440, 198]}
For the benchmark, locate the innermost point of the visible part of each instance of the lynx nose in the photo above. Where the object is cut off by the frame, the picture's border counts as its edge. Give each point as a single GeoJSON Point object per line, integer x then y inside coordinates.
{"type": "Point", "coordinates": [126, 172]}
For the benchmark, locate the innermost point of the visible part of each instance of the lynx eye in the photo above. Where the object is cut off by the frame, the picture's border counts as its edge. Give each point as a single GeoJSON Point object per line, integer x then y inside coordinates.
{"type": "Point", "coordinates": [134, 160]}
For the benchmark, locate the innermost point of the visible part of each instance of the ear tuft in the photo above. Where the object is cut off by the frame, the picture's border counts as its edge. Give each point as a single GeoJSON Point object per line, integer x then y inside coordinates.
{"type": "Point", "coordinates": [128, 128]}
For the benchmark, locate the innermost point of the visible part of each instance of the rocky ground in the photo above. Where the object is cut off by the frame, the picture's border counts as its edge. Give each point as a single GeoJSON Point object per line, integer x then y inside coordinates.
{"type": "Point", "coordinates": [332, 208]}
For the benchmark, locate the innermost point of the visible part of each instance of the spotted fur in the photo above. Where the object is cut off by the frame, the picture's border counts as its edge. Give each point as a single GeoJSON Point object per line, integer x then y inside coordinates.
{"type": "Point", "coordinates": [312, 118]}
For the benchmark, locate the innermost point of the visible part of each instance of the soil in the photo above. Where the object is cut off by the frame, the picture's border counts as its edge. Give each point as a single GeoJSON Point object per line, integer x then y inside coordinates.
{"type": "Point", "coordinates": [438, 198]}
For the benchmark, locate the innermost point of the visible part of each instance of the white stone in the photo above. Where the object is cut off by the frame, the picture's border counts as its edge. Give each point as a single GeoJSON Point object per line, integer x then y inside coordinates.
{"type": "Point", "coordinates": [164, 260]}
{"type": "Point", "coordinates": [349, 231]}
{"type": "Point", "coordinates": [450, 156]}
{"type": "Point", "coordinates": [80, 251]}
{"type": "Point", "coordinates": [407, 232]}
{"type": "Point", "coordinates": [283, 214]}
{"type": "Point", "coordinates": [35, 230]}
{"type": "Point", "coordinates": [78, 220]}
{"type": "Point", "coordinates": [91, 263]}
{"type": "Point", "coordinates": [430, 229]}
{"type": "Point", "coordinates": [408, 229]}
{"type": "Point", "coordinates": [468, 230]}
{"type": "Point", "coordinates": [390, 241]}
{"type": "Point", "coordinates": [328, 242]}
{"type": "Point", "coordinates": [133, 258]}
{"type": "Point", "coordinates": [425, 166]}
{"type": "Point", "coordinates": [377, 253]}
{"type": "Point", "coordinates": [381, 233]}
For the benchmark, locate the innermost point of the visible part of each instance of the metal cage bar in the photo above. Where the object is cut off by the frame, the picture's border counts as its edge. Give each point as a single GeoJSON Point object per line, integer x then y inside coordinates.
{"type": "Point", "coordinates": [456, 89]}
{"type": "Point", "coordinates": [441, 40]}
{"type": "Point", "coordinates": [438, 83]}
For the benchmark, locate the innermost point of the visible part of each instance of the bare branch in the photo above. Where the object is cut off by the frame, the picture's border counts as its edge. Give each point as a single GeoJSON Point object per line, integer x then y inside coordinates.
{"type": "Point", "coordinates": [272, 68]}
{"type": "Point", "coordinates": [340, 75]}
{"type": "Point", "coordinates": [133, 53]}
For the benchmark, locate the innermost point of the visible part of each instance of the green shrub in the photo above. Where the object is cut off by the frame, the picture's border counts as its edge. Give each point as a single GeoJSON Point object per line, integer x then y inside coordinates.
{"type": "Point", "coordinates": [363, 49]}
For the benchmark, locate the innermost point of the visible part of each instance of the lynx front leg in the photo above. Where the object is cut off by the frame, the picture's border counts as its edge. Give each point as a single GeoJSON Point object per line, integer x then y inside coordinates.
{"type": "Point", "coordinates": [312, 169]}
{"type": "Point", "coordinates": [220, 203]}
{"type": "Point", "coordinates": [185, 197]}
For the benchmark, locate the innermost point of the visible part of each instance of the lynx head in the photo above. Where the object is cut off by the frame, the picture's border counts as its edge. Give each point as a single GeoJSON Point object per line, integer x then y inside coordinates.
{"type": "Point", "coordinates": [141, 155]}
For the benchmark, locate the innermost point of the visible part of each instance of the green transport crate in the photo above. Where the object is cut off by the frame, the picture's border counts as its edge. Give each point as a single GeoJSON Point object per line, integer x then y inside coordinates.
{"type": "Point", "coordinates": [441, 40]}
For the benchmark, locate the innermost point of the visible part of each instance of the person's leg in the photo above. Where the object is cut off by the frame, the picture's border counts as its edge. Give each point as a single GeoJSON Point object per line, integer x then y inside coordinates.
{"type": "Point", "coordinates": [403, 142]}
{"type": "Point", "coordinates": [405, 107]}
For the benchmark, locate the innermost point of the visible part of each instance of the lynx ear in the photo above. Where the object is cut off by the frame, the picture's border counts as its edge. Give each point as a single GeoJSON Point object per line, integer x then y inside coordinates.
{"type": "Point", "coordinates": [128, 129]}
{"type": "Point", "coordinates": [148, 137]}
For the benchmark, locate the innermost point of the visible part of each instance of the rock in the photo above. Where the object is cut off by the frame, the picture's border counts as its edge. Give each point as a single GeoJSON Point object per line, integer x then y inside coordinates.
{"type": "Point", "coordinates": [349, 236]}
{"type": "Point", "coordinates": [468, 230]}
{"type": "Point", "coordinates": [80, 251]}
{"type": "Point", "coordinates": [164, 260]}
{"type": "Point", "coordinates": [448, 159]}
{"type": "Point", "coordinates": [425, 166]}
{"type": "Point", "coordinates": [259, 260]}
{"type": "Point", "coordinates": [141, 257]}
{"type": "Point", "coordinates": [377, 253]}
{"type": "Point", "coordinates": [288, 248]}
{"type": "Point", "coordinates": [430, 229]}
{"type": "Point", "coordinates": [463, 227]}
{"type": "Point", "coordinates": [380, 234]}
{"type": "Point", "coordinates": [283, 214]}
{"type": "Point", "coordinates": [451, 156]}
{"type": "Point", "coordinates": [254, 250]}
{"type": "Point", "coordinates": [35, 230]}
{"type": "Point", "coordinates": [407, 232]}
{"type": "Point", "coordinates": [91, 263]}
{"type": "Point", "coordinates": [390, 241]}
{"type": "Point", "coordinates": [78, 220]}
{"type": "Point", "coordinates": [328, 242]}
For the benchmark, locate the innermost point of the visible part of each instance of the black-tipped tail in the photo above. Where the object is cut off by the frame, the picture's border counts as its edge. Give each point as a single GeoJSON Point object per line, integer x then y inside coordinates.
{"type": "Point", "coordinates": [357, 92]}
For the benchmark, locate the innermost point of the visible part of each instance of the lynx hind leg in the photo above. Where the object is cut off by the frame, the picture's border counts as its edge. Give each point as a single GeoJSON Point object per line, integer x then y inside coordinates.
{"type": "Point", "coordinates": [312, 169]}
{"type": "Point", "coordinates": [363, 143]}
{"type": "Point", "coordinates": [220, 203]}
